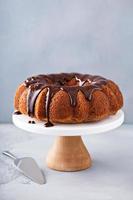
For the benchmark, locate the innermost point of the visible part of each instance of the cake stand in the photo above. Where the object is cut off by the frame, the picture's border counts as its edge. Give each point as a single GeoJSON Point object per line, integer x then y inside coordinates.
{"type": "Point", "coordinates": [68, 152]}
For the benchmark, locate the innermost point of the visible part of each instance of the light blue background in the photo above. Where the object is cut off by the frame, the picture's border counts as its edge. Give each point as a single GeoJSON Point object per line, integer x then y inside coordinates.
{"type": "Point", "coordinates": [63, 36]}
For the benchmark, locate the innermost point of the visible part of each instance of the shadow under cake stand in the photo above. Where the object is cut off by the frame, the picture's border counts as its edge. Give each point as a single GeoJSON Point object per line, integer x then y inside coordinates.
{"type": "Point", "coordinates": [68, 152]}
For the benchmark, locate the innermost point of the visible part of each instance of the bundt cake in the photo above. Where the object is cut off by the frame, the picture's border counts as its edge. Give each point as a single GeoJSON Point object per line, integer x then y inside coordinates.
{"type": "Point", "coordinates": [68, 98]}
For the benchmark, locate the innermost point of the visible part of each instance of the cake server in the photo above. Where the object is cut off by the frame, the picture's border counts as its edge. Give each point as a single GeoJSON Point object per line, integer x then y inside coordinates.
{"type": "Point", "coordinates": [28, 167]}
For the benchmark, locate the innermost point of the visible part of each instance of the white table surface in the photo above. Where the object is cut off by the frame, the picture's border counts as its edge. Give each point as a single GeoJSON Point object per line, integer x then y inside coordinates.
{"type": "Point", "coordinates": [110, 177]}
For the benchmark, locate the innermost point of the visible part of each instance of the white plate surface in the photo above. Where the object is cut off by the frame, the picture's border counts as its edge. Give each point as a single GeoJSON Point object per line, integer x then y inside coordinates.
{"type": "Point", "coordinates": [112, 122]}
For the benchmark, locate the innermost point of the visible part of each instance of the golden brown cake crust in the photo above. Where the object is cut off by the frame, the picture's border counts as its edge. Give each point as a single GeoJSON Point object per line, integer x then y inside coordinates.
{"type": "Point", "coordinates": [68, 98]}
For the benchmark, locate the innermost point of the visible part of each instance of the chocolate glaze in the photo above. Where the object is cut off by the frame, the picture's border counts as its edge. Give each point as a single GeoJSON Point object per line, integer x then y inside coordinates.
{"type": "Point", "coordinates": [17, 112]}
{"type": "Point", "coordinates": [68, 82]}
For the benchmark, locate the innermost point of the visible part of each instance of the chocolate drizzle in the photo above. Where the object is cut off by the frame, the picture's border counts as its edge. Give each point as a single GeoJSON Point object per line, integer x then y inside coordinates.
{"type": "Point", "coordinates": [31, 122]}
{"type": "Point", "coordinates": [50, 93]}
{"type": "Point", "coordinates": [33, 92]}
{"type": "Point", "coordinates": [17, 112]}
{"type": "Point", "coordinates": [68, 82]}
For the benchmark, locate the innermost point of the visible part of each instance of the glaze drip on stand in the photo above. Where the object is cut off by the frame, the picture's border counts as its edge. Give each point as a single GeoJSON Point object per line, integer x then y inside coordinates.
{"type": "Point", "coordinates": [17, 112]}
{"type": "Point", "coordinates": [71, 83]}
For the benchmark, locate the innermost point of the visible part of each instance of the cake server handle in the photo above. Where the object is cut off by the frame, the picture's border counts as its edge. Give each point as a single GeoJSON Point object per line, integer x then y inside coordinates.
{"type": "Point", "coordinates": [9, 154]}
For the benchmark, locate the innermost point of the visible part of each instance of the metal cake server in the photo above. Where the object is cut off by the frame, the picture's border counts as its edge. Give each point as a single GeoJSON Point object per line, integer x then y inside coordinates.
{"type": "Point", "coordinates": [28, 167]}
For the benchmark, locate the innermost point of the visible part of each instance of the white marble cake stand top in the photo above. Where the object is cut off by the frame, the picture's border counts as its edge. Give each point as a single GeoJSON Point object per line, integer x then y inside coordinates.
{"type": "Point", "coordinates": [112, 122]}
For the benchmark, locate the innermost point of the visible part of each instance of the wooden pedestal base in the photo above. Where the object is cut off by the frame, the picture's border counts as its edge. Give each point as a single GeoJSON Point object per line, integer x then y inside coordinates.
{"type": "Point", "coordinates": [68, 153]}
